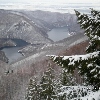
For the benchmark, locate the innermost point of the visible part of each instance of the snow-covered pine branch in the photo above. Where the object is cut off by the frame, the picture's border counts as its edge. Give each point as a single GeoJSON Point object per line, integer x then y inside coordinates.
{"type": "Point", "coordinates": [76, 61]}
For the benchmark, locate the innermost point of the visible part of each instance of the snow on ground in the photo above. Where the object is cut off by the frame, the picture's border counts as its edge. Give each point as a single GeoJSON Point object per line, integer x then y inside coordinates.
{"type": "Point", "coordinates": [79, 93]}
{"type": "Point", "coordinates": [92, 96]}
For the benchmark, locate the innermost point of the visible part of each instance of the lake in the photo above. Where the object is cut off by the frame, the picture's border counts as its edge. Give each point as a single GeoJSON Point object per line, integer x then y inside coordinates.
{"type": "Point", "coordinates": [57, 34]}
{"type": "Point", "coordinates": [12, 53]}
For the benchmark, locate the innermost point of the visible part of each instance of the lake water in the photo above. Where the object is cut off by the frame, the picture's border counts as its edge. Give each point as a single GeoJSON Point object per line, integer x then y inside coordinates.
{"type": "Point", "coordinates": [57, 34]}
{"type": "Point", "coordinates": [12, 53]}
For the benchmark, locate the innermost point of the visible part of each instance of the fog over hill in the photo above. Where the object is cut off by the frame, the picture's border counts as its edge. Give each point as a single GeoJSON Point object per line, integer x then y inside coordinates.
{"type": "Point", "coordinates": [67, 7]}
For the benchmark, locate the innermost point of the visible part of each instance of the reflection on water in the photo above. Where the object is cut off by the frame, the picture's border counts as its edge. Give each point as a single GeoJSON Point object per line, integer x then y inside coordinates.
{"type": "Point", "coordinates": [57, 34]}
{"type": "Point", "coordinates": [12, 53]}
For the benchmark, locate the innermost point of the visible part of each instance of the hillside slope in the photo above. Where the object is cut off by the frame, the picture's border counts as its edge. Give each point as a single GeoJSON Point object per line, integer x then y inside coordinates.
{"type": "Point", "coordinates": [15, 82]}
{"type": "Point", "coordinates": [17, 26]}
{"type": "Point", "coordinates": [49, 20]}
{"type": "Point", "coordinates": [14, 77]}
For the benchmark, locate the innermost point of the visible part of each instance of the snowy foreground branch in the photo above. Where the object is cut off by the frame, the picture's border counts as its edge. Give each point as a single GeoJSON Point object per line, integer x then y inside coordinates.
{"type": "Point", "coordinates": [74, 60]}
{"type": "Point", "coordinates": [88, 65]}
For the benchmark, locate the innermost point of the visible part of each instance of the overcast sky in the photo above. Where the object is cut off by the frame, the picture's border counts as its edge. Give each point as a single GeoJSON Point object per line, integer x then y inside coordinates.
{"type": "Point", "coordinates": [50, 1]}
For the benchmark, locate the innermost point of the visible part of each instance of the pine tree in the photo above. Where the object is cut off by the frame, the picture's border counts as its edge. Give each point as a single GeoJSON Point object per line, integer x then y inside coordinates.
{"type": "Point", "coordinates": [33, 91]}
{"type": "Point", "coordinates": [46, 89]}
{"type": "Point", "coordinates": [47, 86]}
{"type": "Point", "coordinates": [67, 79]}
{"type": "Point", "coordinates": [91, 24]}
{"type": "Point", "coordinates": [88, 64]}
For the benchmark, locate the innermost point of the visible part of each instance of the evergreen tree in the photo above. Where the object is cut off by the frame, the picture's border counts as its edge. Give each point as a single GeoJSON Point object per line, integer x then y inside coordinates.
{"type": "Point", "coordinates": [89, 64]}
{"type": "Point", "coordinates": [46, 89]}
{"type": "Point", "coordinates": [33, 90]}
{"type": "Point", "coordinates": [91, 24]}
{"type": "Point", "coordinates": [47, 86]}
{"type": "Point", "coordinates": [67, 79]}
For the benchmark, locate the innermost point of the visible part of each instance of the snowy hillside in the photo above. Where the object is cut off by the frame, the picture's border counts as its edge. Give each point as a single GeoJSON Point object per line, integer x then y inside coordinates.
{"type": "Point", "coordinates": [32, 26]}
{"type": "Point", "coordinates": [16, 26]}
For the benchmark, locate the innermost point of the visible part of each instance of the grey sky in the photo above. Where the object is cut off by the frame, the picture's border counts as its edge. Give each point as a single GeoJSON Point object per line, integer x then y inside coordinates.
{"type": "Point", "coordinates": [50, 5]}
{"type": "Point", "coordinates": [13, 1]}
{"type": "Point", "coordinates": [49, 1]}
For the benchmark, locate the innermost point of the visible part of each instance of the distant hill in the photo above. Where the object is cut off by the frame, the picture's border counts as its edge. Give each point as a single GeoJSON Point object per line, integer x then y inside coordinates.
{"type": "Point", "coordinates": [32, 26]}
{"type": "Point", "coordinates": [48, 20]}
{"type": "Point", "coordinates": [16, 26]}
